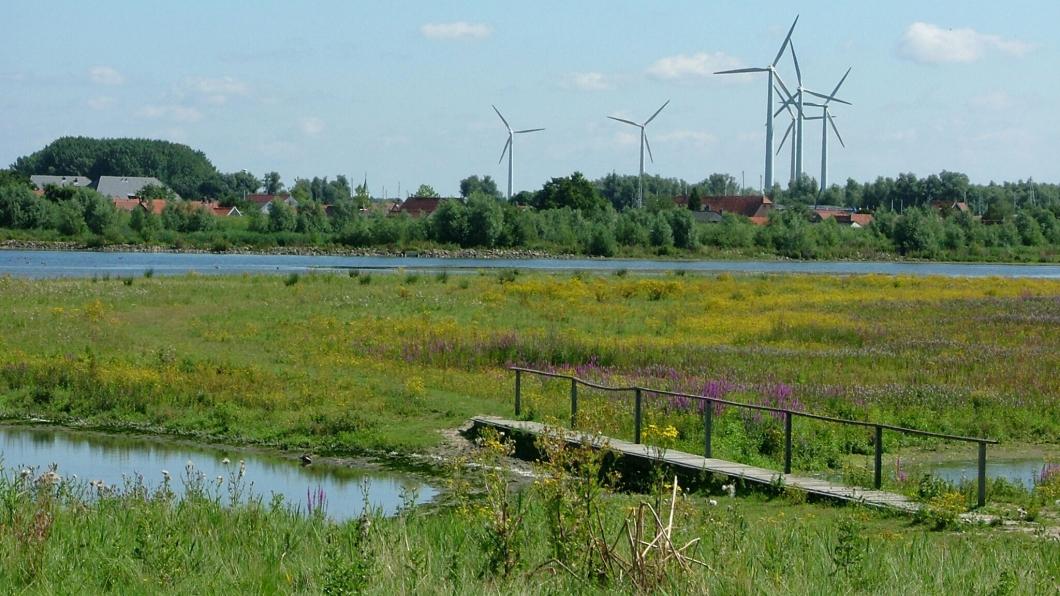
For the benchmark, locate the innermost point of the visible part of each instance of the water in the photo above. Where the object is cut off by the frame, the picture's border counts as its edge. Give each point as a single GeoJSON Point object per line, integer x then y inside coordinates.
{"type": "Point", "coordinates": [94, 456]}
{"type": "Point", "coordinates": [47, 264]}
{"type": "Point", "coordinates": [1017, 471]}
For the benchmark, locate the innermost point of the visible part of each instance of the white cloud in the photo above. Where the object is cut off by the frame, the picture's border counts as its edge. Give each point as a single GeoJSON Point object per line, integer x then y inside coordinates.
{"type": "Point", "coordinates": [100, 103]}
{"type": "Point", "coordinates": [311, 125]}
{"type": "Point", "coordinates": [692, 137]}
{"type": "Point", "coordinates": [456, 30]}
{"type": "Point", "coordinates": [591, 81]}
{"type": "Point", "coordinates": [175, 113]}
{"type": "Point", "coordinates": [216, 90]}
{"type": "Point", "coordinates": [105, 75]}
{"type": "Point", "coordinates": [931, 44]}
{"type": "Point", "coordinates": [692, 66]}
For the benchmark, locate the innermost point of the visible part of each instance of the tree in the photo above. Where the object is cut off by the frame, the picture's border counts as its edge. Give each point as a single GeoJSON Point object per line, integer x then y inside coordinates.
{"type": "Point", "coordinates": [361, 197]}
{"type": "Point", "coordinates": [272, 183]}
{"type": "Point", "coordinates": [281, 217]}
{"type": "Point", "coordinates": [152, 192]}
{"type": "Point", "coordinates": [20, 208]}
{"type": "Point", "coordinates": [185, 170]}
{"type": "Point", "coordinates": [312, 218]}
{"type": "Point", "coordinates": [485, 220]}
{"type": "Point", "coordinates": [425, 190]}
{"type": "Point", "coordinates": [572, 191]}
{"type": "Point", "coordinates": [449, 222]}
{"type": "Point", "coordinates": [661, 233]}
{"type": "Point", "coordinates": [484, 185]}
{"type": "Point", "coordinates": [694, 202]}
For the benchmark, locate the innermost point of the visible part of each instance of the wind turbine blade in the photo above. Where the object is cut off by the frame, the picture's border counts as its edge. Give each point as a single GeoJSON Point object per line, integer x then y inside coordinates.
{"type": "Point", "coordinates": [742, 70]}
{"type": "Point", "coordinates": [786, 133]}
{"type": "Point", "coordinates": [840, 84]}
{"type": "Point", "coordinates": [813, 105]}
{"type": "Point", "coordinates": [776, 77]}
{"type": "Point", "coordinates": [519, 132]}
{"type": "Point", "coordinates": [798, 71]}
{"type": "Point", "coordinates": [508, 126]}
{"type": "Point", "coordinates": [646, 143]}
{"type": "Point", "coordinates": [787, 39]}
{"type": "Point", "coordinates": [507, 144]}
{"type": "Point", "coordinates": [823, 96]}
{"type": "Point", "coordinates": [836, 131]}
{"type": "Point", "coordinates": [624, 120]}
{"type": "Point", "coordinates": [656, 112]}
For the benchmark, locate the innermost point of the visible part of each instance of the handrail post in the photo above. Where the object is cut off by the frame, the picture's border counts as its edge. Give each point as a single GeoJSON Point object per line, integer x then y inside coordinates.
{"type": "Point", "coordinates": [708, 427]}
{"type": "Point", "coordinates": [787, 441]}
{"type": "Point", "coordinates": [518, 393]}
{"type": "Point", "coordinates": [877, 480]}
{"type": "Point", "coordinates": [636, 416]}
{"type": "Point", "coordinates": [573, 402]}
{"type": "Point", "coordinates": [982, 473]}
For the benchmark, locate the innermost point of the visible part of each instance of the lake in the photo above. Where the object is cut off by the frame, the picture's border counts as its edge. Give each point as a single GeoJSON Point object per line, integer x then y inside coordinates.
{"type": "Point", "coordinates": [52, 264]}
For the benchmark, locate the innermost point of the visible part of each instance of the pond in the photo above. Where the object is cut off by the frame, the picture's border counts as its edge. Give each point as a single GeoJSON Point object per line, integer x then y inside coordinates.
{"type": "Point", "coordinates": [46, 264]}
{"type": "Point", "coordinates": [1023, 472]}
{"type": "Point", "coordinates": [92, 456]}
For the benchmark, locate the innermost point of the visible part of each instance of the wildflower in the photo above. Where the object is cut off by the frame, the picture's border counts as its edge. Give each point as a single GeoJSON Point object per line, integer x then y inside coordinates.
{"type": "Point", "coordinates": [25, 473]}
{"type": "Point", "coordinates": [225, 461]}
{"type": "Point", "coordinates": [712, 503]}
{"type": "Point", "coordinates": [165, 475]}
{"type": "Point", "coordinates": [730, 489]}
{"type": "Point", "coordinates": [220, 480]}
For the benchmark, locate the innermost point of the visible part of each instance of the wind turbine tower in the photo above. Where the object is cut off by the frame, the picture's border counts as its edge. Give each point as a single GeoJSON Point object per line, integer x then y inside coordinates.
{"type": "Point", "coordinates": [774, 77]}
{"type": "Point", "coordinates": [643, 142]}
{"type": "Point", "coordinates": [509, 148]}
{"type": "Point", "coordinates": [826, 121]}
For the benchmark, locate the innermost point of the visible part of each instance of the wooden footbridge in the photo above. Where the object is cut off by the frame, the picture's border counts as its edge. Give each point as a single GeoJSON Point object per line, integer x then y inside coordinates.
{"type": "Point", "coordinates": [688, 461]}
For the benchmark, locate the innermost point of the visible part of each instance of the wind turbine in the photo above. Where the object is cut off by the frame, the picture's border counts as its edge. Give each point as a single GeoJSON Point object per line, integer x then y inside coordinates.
{"type": "Point", "coordinates": [826, 121]}
{"type": "Point", "coordinates": [774, 77]}
{"type": "Point", "coordinates": [800, 93]}
{"type": "Point", "coordinates": [643, 142]}
{"type": "Point", "coordinates": [791, 127]}
{"type": "Point", "coordinates": [509, 148]}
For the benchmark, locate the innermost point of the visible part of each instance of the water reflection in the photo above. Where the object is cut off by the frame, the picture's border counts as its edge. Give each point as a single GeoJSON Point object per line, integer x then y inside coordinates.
{"type": "Point", "coordinates": [93, 456]}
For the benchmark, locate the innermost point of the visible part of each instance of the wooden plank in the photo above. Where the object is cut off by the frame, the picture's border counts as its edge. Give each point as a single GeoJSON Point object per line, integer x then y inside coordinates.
{"type": "Point", "coordinates": [688, 460]}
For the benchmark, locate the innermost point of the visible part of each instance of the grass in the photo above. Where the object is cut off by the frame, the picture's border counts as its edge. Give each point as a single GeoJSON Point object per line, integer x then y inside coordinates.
{"type": "Point", "coordinates": [344, 364]}
{"type": "Point", "coordinates": [69, 538]}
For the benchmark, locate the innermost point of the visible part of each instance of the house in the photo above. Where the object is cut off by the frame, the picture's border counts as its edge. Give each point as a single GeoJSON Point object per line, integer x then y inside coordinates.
{"type": "Point", "coordinates": [418, 206]}
{"type": "Point", "coordinates": [947, 207]}
{"type": "Point", "coordinates": [42, 180]}
{"type": "Point", "coordinates": [124, 187]}
{"type": "Point", "coordinates": [264, 201]}
{"type": "Point", "coordinates": [745, 205]}
{"type": "Point", "coordinates": [842, 216]}
{"type": "Point", "coordinates": [220, 211]}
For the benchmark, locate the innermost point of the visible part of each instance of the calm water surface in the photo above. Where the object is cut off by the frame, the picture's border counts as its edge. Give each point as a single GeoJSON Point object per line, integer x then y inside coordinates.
{"type": "Point", "coordinates": [45, 264]}
{"type": "Point", "coordinates": [110, 458]}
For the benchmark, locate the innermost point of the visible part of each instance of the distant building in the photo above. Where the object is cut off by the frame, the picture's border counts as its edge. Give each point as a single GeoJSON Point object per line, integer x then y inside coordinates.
{"type": "Point", "coordinates": [418, 206]}
{"type": "Point", "coordinates": [156, 206]}
{"type": "Point", "coordinates": [264, 201]}
{"type": "Point", "coordinates": [42, 180]}
{"type": "Point", "coordinates": [125, 187]}
{"type": "Point", "coordinates": [947, 207]}
{"type": "Point", "coordinates": [842, 215]}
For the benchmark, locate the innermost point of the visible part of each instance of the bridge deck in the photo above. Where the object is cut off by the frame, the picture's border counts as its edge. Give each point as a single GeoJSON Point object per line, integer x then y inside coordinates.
{"type": "Point", "coordinates": [689, 461]}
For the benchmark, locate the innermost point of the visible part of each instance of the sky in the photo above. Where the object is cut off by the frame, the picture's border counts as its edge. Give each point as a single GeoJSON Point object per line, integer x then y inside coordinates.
{"type": "Point", "coordinates": [400, 92]}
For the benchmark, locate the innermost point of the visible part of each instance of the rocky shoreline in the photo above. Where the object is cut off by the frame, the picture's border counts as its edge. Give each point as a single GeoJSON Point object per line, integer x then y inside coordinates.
{"type": "Point", "coordinates": [303, 251]}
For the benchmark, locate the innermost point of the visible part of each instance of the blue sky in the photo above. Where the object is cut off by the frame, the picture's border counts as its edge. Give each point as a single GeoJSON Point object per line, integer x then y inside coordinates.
{"type": "Point", "coordinates": [402, 91]}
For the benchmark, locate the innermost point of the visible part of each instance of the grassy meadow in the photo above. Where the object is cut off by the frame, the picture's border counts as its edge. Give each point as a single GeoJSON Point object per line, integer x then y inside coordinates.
{"type": "Point", "coordinates": [380, 362]}
{"type": "Point", "coordinates": [360, 362]}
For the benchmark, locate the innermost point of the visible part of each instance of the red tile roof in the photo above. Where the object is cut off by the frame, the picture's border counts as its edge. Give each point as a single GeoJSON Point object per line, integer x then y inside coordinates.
{"type": "Point", "coordinates": [748, 206]}
{"type": "Point", "coordinates": [419, 206]}
{"type": "Point", "coordinates": [262, 199]}
{"type": "Point", "coordinates": [131, 203]}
